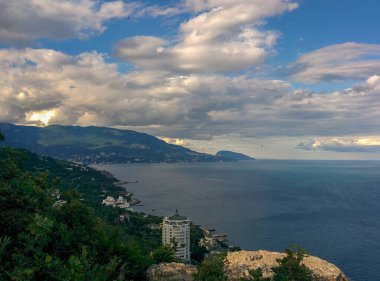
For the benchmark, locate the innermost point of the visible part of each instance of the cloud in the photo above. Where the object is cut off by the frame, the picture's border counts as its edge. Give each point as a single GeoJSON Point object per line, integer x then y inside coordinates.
{"type": "Point", "coordinates": [222, 36]}
{"type": "Point", "coordinates": [85, 90]}
{"type": "Point", "coordinates": [337, 63]}
{"type": "Point", "coordinates": [42, 86]}
{"type": "Point", "coordinates": [366, 145]}
{"type": "Point", "coordinates": [23, 21]}
{"type": "Point", "coordinates": [181, 142]}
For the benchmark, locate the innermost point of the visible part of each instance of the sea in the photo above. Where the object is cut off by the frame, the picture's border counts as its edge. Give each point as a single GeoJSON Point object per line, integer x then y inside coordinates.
{"type": "Point", "coordinates": [329, 208]}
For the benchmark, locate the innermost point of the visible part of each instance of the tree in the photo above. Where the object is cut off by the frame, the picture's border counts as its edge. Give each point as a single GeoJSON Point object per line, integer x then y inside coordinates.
{"type": "Point", "coordinates": [1, 136]}
{"type": "Point", "coordinates": [212, 268]}
{"type": "Point", "coordinates": [197, 252]}
{"type": "Point", "coordinates": [290, 268]}
{"type": "Point", "coordinates": [164, 253]}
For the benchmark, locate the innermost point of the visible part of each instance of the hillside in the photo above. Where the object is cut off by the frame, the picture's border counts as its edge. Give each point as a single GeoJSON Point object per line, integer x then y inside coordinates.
{"type": "Point", "coordinates": [233, 155]}
{"type": "Point", "coordinates": [68, 235]}
{"type": "Point", "coordinates": [94, 145]}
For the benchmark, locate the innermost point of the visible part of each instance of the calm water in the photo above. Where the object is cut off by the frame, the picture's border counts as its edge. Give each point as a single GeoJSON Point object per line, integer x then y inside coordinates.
{"type": "Point", "coordinates": [330, 208]}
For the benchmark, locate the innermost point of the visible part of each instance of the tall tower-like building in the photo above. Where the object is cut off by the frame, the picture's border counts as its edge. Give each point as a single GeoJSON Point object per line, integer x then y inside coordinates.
{"type": "Point", "coordinates": [176, 232]}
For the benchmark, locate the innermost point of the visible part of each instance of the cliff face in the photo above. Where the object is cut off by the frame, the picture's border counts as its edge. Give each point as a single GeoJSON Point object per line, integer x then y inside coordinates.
{"type": "Point", "coordinates": [238, 264]}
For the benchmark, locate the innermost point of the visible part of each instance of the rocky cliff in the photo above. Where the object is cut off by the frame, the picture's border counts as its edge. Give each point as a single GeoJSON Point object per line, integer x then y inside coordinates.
{"type": "Point", "coordinates": [238, 264]}
{"type": "Point", "coordinates": [171, 272]}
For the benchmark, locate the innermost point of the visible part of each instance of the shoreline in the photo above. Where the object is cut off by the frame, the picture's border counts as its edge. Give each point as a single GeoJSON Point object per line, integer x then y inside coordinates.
{"type": "Point", "coordinates": [132, 201]}
{"type": "Point", "coordinates": [211, 240]}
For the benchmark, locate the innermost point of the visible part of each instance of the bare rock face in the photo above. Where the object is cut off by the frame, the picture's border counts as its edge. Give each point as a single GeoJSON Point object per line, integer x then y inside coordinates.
{"type": "Point", "coordinates": [171, 272]}
{"type": "Point", "coordinates": [238, 264]}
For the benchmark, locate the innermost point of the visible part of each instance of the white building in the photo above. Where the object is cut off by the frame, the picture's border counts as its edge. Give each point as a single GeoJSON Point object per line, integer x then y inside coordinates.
{"type": "Point", "coordinates": [176, 232]}
{"type": "Point", "coordinates": [109, 201]}
{"type": "Point", "coordinates": [122, 203]}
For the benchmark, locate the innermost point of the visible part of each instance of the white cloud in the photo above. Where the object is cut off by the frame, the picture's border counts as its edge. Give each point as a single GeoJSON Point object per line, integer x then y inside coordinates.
{"type": "Point", "coordinates": [23, 21]}
{"type": "Point", "coordinates": [262, 7]}
{"type": "Point", "coordinates": [40, 86]}
{"type": "Point", "coordinates": [181, 142]}
{"type": "Point", "coordinates": [343, 145]}
{"type": "Point", "coordinates": [337, 63]}
{"type": "Point", "coordinates": [223, 36]}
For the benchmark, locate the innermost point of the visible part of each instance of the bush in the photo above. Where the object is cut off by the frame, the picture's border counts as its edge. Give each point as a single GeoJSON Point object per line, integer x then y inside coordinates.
{"type": "Point", "coordinates": [164, 253]}
{"type": "Point", "coordinates": [255, 275]}
{"type": "Point", "coordinates": [290, 268]}
{"type": "Point", "coordinates": [212, 268]}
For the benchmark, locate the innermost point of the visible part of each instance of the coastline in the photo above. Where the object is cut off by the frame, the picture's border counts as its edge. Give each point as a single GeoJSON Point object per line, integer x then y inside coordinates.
{"type": "Point", "coordinates": [211, 240]}
{"type": "Point", "coordinates": [117, 183]}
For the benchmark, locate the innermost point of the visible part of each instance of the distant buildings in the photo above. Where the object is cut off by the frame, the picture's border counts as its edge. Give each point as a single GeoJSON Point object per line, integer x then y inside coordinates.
{"type": "Point", "coordinates": [120, 202]}
{"type": "Point", "coordinates": [176, 232]}
{"type": "Point", "coordinates": [109, 201]}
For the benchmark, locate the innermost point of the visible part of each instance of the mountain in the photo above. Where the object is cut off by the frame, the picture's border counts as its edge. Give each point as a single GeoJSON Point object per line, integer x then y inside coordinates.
{"type": "Point", "coordinates": [233, 155]}
{"type": "Point", "coordinates": [94, 145]}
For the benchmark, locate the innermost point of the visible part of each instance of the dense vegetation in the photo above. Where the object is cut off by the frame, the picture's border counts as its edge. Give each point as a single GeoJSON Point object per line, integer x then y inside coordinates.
{"type": "Point", "coordinates": [91, 145]}
{"type": "Point", "coordinates": [65, 242]}
{"type": "Point", "coordinates": [74, 237]}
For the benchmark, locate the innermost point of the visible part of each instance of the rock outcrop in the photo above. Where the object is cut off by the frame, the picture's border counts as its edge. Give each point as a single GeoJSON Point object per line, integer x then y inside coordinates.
{"type": "Point", "coordinates": [171, 272]}
{"type": "Point", "coordinates": [238, 264]}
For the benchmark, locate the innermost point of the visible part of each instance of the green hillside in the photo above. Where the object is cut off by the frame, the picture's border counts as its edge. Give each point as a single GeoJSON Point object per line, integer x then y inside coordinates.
{"type": "Point", "coordinates": [78, 239]}
{"type": "Point", "coordinates": [94, 145]}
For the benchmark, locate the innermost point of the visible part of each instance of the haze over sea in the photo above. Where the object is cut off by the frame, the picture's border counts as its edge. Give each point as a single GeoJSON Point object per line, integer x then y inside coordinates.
{"type": "Point", "coordinates": [330, 208]}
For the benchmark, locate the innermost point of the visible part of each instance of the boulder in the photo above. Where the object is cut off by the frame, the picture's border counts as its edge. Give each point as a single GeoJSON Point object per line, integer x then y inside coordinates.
{"type": "Point", "coordinates": [238, 264]}
{"type": "Point", "coordinates": [171, 272]}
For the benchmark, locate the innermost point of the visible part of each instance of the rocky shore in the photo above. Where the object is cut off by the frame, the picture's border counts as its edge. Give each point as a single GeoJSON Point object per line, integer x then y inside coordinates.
{"type": "Point", "coordinates": [237, 265]}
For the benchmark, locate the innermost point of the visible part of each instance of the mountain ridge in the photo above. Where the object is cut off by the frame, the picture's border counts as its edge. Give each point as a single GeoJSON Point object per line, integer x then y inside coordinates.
{"type": "Point", "coordinates": [96, 145]}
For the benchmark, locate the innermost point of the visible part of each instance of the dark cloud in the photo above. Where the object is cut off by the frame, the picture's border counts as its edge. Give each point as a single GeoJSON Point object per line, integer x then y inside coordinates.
{"type": "Point", "coordinates": [23, 21]}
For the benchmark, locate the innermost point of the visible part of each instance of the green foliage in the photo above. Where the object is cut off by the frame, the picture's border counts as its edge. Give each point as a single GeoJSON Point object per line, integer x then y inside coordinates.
{"type": "Point", "coordinates": [197, 252]}
{"type": "Point", "coordinates": [255, 275]}
{"type": "Point", "coordinates": [164, 253]}
{"type": "Point", "coordinates": [290, 268]}
{"type": "Point", "coordinates": [212, 268]}
{"type": "Point", "coordinates": [4, 243]}
{"type": "Point", "coordinates": [1, 136]}
{"type": "Point", "coordinates": [68, 242]}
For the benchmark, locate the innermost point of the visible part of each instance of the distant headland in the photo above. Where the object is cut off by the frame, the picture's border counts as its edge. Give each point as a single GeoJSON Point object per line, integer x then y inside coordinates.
{"type": "Point", "coordinates": [233, 155]}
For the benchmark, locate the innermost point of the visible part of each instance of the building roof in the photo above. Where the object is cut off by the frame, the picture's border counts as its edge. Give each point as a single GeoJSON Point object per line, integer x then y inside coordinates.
{"type": "Point", "coordinates": [177, 217]}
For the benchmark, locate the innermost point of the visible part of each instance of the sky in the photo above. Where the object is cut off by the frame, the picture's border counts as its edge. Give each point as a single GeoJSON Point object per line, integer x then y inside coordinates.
{"type": "Point", "coordinates": [274, 79]}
